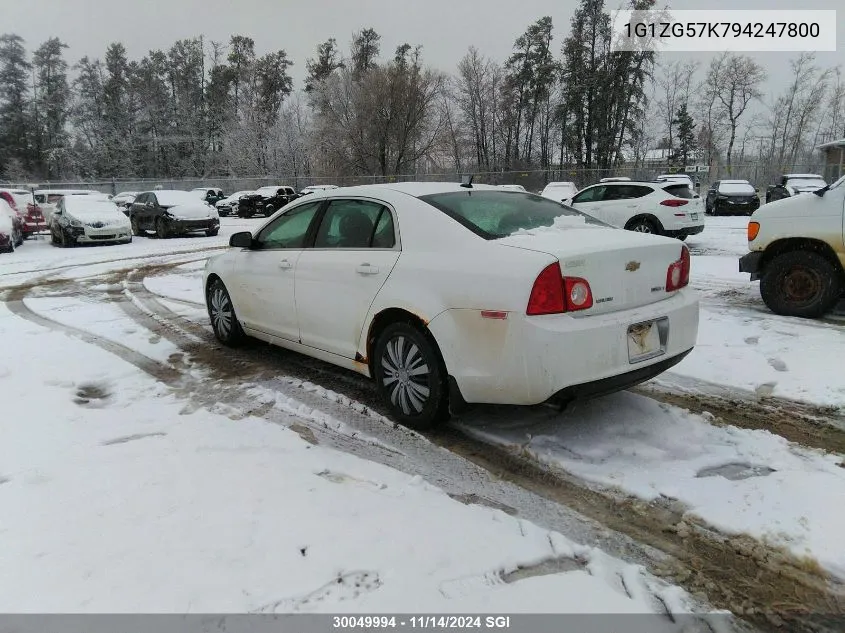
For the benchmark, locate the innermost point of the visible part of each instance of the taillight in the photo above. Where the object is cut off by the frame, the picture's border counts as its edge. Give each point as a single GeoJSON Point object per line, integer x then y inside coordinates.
{"type": "Point", "coordinates": [578, 293]}
{"type": "Point", "coordinates": [547, 293]}
{"type": "Point", "coordinates": [674, 202]}
{"type": "Point", "coordinates": [677, 275]}
{"type": "Point", "coordinates": [753, 230]}
{"type": "Point", "coordinates": [553, 293]}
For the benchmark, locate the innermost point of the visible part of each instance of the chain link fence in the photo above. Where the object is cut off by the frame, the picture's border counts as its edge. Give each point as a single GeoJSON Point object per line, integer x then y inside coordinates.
{"type": "Point", "coordinates": [760, 175]}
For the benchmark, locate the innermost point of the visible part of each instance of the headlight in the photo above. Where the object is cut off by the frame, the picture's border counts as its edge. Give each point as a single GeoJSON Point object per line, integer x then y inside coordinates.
{"type": "Point", "coordinates": [76, 223]}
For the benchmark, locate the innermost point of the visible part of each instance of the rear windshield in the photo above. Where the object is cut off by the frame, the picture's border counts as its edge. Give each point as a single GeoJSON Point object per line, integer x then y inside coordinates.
{"type": "Point", "coordinates": [679, 191]}
{"type": "Point", "coordinates": [736, 188]}
{"type": "Point", "coordinates": [496, 214]}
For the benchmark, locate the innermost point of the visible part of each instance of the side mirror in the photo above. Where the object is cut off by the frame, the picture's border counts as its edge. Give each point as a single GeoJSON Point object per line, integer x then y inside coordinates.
{"type": "Point", "coordinates": [243, 239]}
{"type": "Point", "coordinates": [820, 192]}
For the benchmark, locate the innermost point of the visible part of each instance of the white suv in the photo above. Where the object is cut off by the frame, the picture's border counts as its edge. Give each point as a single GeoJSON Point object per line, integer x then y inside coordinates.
{"type": "Point", "coordinates": [666, 208]}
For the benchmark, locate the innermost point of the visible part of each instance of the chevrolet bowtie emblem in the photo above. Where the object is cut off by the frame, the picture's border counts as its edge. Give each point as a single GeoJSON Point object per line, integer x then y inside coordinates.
{"type": "Point", "coordinates": [632, 266]}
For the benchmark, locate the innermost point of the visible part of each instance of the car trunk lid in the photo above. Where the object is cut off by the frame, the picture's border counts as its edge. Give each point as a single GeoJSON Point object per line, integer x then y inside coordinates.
{"type": "Point", "coordinates": [625, 269]}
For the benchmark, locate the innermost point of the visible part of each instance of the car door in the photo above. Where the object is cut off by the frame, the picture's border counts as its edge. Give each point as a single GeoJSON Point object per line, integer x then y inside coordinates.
{"type": "Point", "coordinates": [136, 209]}
{"type": "Point", "coordinates": [355, 248]}
{"type": "Point", "coordinates": [623, 201]}
{"type": "Point", "coordinates": [264, 274]}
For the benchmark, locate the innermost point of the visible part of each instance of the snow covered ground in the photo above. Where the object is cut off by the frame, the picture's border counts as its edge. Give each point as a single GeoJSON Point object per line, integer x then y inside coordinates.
{"type": "Point", "coordinates": [118, 498]}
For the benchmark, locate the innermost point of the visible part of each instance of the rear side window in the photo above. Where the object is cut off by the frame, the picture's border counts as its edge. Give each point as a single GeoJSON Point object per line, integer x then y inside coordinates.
{"type": "Point", "coordinates": [679, 191]}
{"type": "Point", "coordinates": [626, 192]}
{"type": "Point", "coordinates": [355, 224]}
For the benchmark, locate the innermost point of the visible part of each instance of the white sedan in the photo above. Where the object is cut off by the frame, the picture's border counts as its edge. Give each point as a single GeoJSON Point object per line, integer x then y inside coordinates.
{"type": "Point", "coordinates": [449, 294]}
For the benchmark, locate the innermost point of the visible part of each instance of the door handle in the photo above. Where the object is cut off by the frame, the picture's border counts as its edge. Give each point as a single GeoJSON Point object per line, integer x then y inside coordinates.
{"type": "Point", "coordinates": [366, 269]}
{"type": "Point", "coordinates": [285, 264]}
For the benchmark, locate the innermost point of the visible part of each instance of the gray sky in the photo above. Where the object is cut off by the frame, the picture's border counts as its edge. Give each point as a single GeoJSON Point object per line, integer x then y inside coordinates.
{"type": "Point", "coordinates": [445, 28]}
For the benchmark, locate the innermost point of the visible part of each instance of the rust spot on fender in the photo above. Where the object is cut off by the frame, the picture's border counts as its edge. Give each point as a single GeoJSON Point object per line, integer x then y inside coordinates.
{"type": "Point", "coordinates": [359, 358]}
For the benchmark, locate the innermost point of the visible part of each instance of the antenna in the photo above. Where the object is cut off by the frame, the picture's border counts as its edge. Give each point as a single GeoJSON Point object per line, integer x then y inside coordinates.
{"type": "Point", "coordinates": [466, 181]}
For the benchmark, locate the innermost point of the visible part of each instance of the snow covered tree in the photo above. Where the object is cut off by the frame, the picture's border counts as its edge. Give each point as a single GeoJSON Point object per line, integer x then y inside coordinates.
{"type": "Point", "coordinates": [686, 138]}
{"type": "Point", "coordinates": [14, 111]}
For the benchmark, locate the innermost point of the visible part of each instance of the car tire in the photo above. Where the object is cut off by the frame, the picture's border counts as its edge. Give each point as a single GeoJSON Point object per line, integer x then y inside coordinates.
{"type": "Point", "coordinates": [212, 232]}
{"type": "Point", "coordinates": [136, 229]}
{"type": "Point", "coordinates": [642, 225]}
{"type": "Point", "coordinates": [418, 400]}
{"type": "Point", "coordinates": [11, 247]}
{"type": "Point", "coordinates": [801, 284]}
{"type": "Point", "coordinates": [162, 231]}
{"type": "Point", "coordinates": [221, 312]}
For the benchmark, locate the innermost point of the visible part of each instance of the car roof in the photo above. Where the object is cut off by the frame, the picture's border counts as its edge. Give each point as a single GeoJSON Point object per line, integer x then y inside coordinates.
{"type": "Point", "coordinates": [735, 182]}
{"type": "Point", "coordinates": [80, 202]}
{"type": "Point", "coordinates": [803, 176]}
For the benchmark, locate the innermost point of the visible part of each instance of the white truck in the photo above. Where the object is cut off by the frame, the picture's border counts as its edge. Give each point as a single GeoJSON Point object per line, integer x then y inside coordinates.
{"type": "Point", "coordinates": [797, 249]}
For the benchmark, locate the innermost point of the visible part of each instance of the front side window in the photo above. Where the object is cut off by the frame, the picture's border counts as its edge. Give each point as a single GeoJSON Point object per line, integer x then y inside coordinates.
{"type": "Point", "coordinates": [289, 230]}
{"type": "Point", "coordinates": [355, 224]}
{"type": "Point", "coordinates": [593, 194]}
{"type": "Point", "coordinates": [496, 214]}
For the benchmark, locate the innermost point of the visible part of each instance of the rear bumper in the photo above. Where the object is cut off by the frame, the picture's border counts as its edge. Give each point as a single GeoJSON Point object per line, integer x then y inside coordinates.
{"type": "Point", "coordinates": [750, 263]}
{"type": "Point", "coordinates": [728, 208]}
{"type": "Point", "coordinates": [529, 360]}
{"type": "Point", "coordinates": [683, 232]}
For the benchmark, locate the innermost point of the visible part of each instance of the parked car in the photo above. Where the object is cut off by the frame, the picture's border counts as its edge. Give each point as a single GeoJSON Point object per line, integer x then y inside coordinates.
{"type": "Point", "coordinates": [88, 220]}
{"type": "Point", "coordinates": [667, 208]}
{"type": "Point", "coordinates": [124, 200]}
{"type": "Point", "coordinates": [212, 195]}
{"type": "Point", "coordinates": [792, 184]}
{"type": "Point", "coordinates": [31, 215]}
{"type": "Point", "coordinates": [47, 199]}
{"type": "Point", "coordinates": [797, 251]}
{"type": "Point", "coordinates": [314, 188]}
{"type": "Point", "coordinates": [732, 197]}
{"type": "Point", "coordinates": [559, 191]}
{"type": "Point", "coordinates": [265, 201]}
{"type": "Point", "coordinates": [172, 212]}
{"type": "Point", "coordinates": [498, 296]}
{"type": "Point", "coordinates": [513, 188]}
{"type": "Point", "coordinates": [229, 205]}
{"type": "Point", "coordinates": [11, 228]}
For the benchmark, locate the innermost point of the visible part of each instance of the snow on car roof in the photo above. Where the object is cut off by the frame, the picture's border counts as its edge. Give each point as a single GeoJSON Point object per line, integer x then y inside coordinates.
{"type": "Point", "coordinates": [175, 196]}
{"type": "Point", "coordinates": [85, 203]}
{"type": "Point", "coordinates": [809, 176]}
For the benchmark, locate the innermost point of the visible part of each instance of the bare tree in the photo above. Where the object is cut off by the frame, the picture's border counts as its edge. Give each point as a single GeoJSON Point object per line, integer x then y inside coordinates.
{"type": "Point", "coordinates": [674, 84]}
{"type": "Point", "coordinates": [735, 82]}
{"type": "Point", "coordinates": [380, 121]}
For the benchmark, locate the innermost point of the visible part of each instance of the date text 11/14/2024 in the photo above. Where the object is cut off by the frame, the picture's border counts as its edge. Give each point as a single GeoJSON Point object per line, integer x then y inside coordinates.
{"type": "Point", "coordinates": [421, 622]}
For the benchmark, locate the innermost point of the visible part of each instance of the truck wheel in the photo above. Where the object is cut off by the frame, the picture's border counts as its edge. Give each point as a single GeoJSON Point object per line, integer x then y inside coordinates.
{"type": "Point", "coordinates": [802, 284]}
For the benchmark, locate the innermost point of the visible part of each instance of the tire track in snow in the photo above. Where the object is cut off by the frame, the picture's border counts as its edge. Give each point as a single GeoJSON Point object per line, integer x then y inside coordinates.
{"type": "Point", "coordinates": [737, 573]}
{"type": "Point", "coordinates": [416, 455]}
